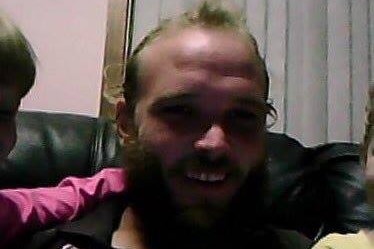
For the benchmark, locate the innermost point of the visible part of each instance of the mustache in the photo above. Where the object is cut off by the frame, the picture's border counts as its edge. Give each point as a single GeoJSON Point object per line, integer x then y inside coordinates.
{"type": "Point", "coordinates": [136, 152]}
{"type": "Point", "coordinates": [204, 161]}
{"type": "Point", "coordinates": [136, 155]}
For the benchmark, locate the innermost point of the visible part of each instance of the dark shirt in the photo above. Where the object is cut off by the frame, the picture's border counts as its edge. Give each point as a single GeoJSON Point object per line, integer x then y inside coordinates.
{"type": "Point", "coordinates": [94, 231]}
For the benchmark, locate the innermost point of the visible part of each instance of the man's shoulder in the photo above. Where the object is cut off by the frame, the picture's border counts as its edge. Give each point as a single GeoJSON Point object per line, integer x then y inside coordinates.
{"type": "Point", "coordinates": [93, 230]}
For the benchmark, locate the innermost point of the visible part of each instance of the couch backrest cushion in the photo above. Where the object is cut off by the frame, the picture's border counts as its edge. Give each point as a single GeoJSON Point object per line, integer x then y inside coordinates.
{"type": "Point", "coordinates": [319, 189]}
{"type": "Point", "coordinates": [52, 146]}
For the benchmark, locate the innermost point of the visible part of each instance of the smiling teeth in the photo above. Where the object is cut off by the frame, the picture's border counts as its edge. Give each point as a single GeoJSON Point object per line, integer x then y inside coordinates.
{"type": "Point", "coordinates": [206, 177]}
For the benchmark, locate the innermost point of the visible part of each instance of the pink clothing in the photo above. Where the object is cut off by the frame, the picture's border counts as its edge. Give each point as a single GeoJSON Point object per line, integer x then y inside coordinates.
{"type": "Point", "coordinates": [29, 209]}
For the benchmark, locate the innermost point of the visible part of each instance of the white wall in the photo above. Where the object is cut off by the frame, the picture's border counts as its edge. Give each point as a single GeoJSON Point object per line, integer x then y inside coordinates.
{"type": "Point", "coordinates": [68, 37]}
{"type": "Point", "coordinates": [319, 55]}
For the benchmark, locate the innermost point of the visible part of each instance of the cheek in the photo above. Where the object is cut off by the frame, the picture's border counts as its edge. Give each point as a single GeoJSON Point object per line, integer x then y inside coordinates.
{"type": "Point", "coordinates": [250, 151]}
{"type": "Point", "coordinates": [164, 142]}
{"type": "Point", "coordinates": [8, 137]}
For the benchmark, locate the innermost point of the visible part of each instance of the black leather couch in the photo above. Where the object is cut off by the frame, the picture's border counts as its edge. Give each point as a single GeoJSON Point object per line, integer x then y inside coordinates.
{"type": "Point", "coordinates": [313, 190]}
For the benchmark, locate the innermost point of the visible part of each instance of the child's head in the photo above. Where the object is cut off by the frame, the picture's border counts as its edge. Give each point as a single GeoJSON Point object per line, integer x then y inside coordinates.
{"type": "Point", "coordinates": [17, 65]}
{"type": "Point", "coordinates": [17, 75]}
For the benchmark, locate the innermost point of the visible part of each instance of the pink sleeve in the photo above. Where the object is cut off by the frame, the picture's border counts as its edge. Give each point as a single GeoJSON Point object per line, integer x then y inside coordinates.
{"type": "Point", "coordinates": [29, 209]}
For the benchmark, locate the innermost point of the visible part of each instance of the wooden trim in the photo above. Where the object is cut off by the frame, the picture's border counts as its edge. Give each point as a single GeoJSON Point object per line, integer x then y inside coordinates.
{"type": "Point", "coordinates": [117, 50]}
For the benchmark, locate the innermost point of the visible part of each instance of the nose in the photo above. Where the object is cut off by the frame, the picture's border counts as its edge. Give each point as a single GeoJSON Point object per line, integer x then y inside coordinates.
{"type": "Point", "coordinates": [213, 142]}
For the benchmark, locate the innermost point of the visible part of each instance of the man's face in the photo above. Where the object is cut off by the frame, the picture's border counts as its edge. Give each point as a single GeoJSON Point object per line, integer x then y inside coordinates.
{"type": "Point", "coordinates": [9, 103]}
{"type": "Point", "coordinates": [201, 111]}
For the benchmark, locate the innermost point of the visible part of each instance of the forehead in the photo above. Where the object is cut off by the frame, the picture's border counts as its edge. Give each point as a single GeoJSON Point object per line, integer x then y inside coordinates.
{"type": "Point", "coordinates": [223, 48]}
{"type": "Point", "coordinates": [197, 55]}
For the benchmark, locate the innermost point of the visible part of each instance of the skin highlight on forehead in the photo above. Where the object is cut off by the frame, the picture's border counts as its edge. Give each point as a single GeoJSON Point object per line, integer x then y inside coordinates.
{"type": "Point", "coordinates": [196, 49]}
{"type": "Point", "coordinates": [200, 44]}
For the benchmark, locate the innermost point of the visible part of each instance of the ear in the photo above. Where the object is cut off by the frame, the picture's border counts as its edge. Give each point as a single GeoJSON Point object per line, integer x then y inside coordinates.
{"type": "Point", "coordinates": [122, 119]}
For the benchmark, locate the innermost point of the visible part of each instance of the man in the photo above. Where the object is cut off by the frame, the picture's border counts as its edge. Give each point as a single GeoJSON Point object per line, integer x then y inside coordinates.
{"type": "Point", "coordinates": [193, 121]}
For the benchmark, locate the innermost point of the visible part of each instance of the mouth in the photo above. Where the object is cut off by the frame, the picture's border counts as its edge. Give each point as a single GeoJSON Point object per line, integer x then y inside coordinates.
{"type": "Point", "coordinates": [206, 185]}
{"type": "Point", "coordinates": [206, 177]}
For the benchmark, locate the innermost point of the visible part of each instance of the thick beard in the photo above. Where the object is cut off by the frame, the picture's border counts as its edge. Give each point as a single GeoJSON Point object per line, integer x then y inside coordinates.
{"type": "Point", "coordinates": [154, 205]}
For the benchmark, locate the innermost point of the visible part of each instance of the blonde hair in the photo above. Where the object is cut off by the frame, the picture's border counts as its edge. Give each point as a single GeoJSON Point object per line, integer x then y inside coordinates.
{"type": "Point", "coordinates": [210, 14]}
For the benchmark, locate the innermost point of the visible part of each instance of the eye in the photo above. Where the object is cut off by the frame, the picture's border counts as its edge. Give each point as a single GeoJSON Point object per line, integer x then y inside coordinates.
{"type": "Point", "coordinates": [244, 120]}
{"type": "Point", "coordinates": [243, 115]}
{"type": "Point", "coordinates": [178, 110]}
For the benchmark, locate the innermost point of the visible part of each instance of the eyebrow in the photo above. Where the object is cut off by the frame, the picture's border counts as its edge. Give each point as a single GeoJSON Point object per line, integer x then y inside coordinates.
{"type": "Point", "coordinates": [250, 100]}
{"type": "Point", "coordinates": [167, 98]}
{"type": "Point", "coordinates": [245, 100]}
